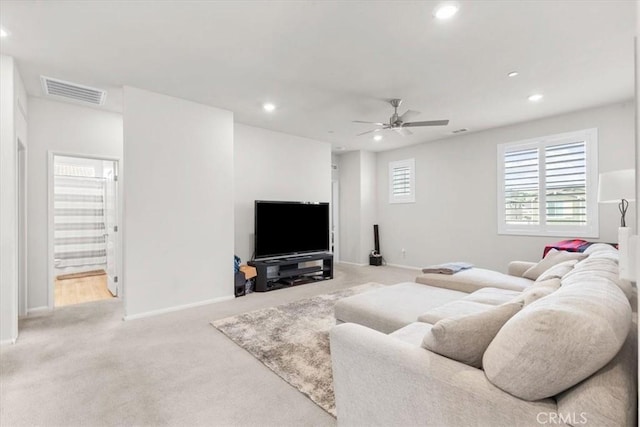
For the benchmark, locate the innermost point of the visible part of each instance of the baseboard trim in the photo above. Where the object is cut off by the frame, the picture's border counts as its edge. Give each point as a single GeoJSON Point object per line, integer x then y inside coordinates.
{"type": "Point", "coordinates": [408, 267]}
{"type": "Point", "coordinates": [351, 263]}
{"type": "Point", "coordinates": [177, 308]}
{"type": "Point", "coordinates": [9, 341]}
{"type": "Point", "coordinates": [37, 310]}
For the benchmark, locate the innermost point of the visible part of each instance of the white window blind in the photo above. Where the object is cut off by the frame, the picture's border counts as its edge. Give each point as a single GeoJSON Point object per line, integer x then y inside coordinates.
{"type": "Point", "coordinates": [547, 186]}
{"type": "Point", "coordinates": [521, 186]}
{"type": "Point", "coordinates": [566, 177]}
{"type": "Point", "coordinates": [402, 181]}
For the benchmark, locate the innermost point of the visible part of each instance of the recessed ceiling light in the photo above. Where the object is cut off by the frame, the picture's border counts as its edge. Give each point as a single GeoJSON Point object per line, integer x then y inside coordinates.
{"type": "Point", "coordinates": [268, 107]}
{"type": "Point", "coordinates": [535, 97]}
{"type": "Point", "coordinates": [446, 10]}
{"type": "Point", "coordinates": [3, 33]}
{"type": "Point", "coordinates": [377, 137]}
{"type": "Point", "coordinates": [513, 74]}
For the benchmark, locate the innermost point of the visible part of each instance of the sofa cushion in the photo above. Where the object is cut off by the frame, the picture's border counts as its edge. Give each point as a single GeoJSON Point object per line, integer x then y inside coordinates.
{"type": "Point", "coordinates": [599, 247]}
{"type": "Point", "coordinates": [538, 290]}
{"type": "Point", "coordinates": [558, 341]}
{"type": "Point", "coordinates": [413, 333]}
{"type": "Point", "coordinates": [558, 270]}
{"type": "Point", "coordinates": [473, 279]}
{"type": "Point", "coordinates": [611, 394]}
{"type": "Point", "coordinates": [596, 266]}
{"type": "Point", "coordinates": [392, 307]}
{"type": "Point", "coordinates": [552, 258]}
{"type": "Point", "coordinates": [492, 296]}
{"type": "Point", "coordinates": [453, 309]}
{"type": "Point", "coordinates": [466, 337]}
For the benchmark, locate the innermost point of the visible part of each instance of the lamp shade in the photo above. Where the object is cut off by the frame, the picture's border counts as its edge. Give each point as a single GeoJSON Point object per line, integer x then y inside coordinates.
{"type": "Point", "coordinates": [617, 185]}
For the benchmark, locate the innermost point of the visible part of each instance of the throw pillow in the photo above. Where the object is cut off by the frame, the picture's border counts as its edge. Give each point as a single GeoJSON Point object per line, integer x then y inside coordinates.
{"type": "Point", "coordinates": [599, 247]}
{"type": "Point", "coordinates": [465, 338]}
{"type": "Point", "coordinates": [559, 341]}
{"type": "Point", "coordinates": [553, 257]}
{"type": "Point", "coordinates": [538, 290]}
{"type": "Point", "coordinates": [558, 270]}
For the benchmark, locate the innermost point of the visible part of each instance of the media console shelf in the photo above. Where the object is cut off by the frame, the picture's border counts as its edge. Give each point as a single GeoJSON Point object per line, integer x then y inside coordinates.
{"type": "Point", "coordinates": [291, 271]}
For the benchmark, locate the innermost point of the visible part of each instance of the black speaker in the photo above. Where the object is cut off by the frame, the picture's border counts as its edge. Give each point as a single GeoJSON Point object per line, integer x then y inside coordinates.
{"type": "Point", "coordinates": [376, 239]}
{"type": "Point", "coordinates": [240, 281]}
{"type": "Point", "coordinates": [375, 258]}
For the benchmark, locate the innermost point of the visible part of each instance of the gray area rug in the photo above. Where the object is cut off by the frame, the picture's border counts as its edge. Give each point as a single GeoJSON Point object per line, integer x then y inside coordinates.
{"type": "Point", "coordinates": [293, 341]}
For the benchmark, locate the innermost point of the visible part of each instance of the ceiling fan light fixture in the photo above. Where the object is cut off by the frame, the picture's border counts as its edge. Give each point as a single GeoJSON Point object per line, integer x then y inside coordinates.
{"type": "Point", "coordinates": [268, 107]}
{"type": "Point", "coordinates": [446, 10]}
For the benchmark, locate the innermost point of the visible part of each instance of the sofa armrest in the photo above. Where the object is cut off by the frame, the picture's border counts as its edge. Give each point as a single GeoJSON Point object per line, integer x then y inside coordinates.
{"type": "Point", "coordinates": [517, 268]}
{"type": "Point", "coordinates": [382, 381]}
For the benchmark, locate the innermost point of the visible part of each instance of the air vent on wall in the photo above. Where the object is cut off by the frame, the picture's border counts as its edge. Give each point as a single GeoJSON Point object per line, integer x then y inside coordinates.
{"type": "Point", "coordinates": [73, 91]}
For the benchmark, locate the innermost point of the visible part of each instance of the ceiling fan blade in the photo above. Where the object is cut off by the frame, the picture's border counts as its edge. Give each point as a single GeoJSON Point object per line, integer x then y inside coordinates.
{"type": "Point", "coordinates": [370, 131]}
{"type": "Point", "coordinates": [427, 123]}
{"type": "Point", "coordinates": [369, 123]}
{"type": "Point", "coordinates": [408, 115]}
{"type": "Point", "coordinates": [402, 131]}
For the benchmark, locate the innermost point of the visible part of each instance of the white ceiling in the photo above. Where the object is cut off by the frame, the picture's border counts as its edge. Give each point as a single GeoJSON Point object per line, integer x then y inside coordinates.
{"type": "Point", "coordinates": [326, 63]}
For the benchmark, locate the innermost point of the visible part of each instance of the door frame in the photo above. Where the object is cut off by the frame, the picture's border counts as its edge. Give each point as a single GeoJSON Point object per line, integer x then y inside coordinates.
{"type": "Point", "coordinates": [335, 217]}
{"type": "Point", "coordinates": [50, 221]}
{"type": "Point", "coordinates": [21, 233]}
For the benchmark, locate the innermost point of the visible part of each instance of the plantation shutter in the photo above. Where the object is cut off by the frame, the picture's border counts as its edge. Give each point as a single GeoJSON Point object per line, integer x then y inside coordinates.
{"type": "Point", "coordinates": [402, 181]}
{"type": "Point", "coordinates": [547, 186]}
{"type": "Point", "coordinates": [522, 186]}
{"type": "Point", "coordinates": [566, 183]}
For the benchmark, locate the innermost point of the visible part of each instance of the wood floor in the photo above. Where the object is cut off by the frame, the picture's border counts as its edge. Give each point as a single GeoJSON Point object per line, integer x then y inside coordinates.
{"type": "Point", "coordinates": [77, 290]}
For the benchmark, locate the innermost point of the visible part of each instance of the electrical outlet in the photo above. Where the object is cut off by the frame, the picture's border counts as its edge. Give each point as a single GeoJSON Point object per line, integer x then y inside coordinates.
{"type": "Point", "coordinates": [404, 252]}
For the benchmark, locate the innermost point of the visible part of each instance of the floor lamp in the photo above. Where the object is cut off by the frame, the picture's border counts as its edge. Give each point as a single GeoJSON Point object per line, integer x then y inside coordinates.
{"type": "Point", "coordinates": [619, 187]}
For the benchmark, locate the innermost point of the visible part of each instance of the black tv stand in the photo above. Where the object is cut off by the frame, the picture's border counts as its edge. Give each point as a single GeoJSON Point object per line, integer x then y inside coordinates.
{"type": "Point", "coordinates": [290, 271]}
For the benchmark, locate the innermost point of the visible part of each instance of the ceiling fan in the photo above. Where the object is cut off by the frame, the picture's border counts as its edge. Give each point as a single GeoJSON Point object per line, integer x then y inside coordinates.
{"type": "Point", "coordinates": [399, 123]}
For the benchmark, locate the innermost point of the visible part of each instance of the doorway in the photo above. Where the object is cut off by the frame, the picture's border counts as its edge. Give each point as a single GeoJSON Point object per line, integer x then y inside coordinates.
{"type": "Point", "coordinates": [84, 238]}
{"type": "Point", "coordinates": [335, 220]}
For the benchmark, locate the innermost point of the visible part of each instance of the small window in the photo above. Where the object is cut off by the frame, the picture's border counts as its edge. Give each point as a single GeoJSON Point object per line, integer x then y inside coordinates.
{"type": "Point", "coordinates": [402, 181]}
{"type": "Point", "coordinates": [547, 186]}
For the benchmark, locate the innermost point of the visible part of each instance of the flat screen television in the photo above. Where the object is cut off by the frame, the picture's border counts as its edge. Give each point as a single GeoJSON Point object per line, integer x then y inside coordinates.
{"type": "Point", "coordinates": [290, 228]}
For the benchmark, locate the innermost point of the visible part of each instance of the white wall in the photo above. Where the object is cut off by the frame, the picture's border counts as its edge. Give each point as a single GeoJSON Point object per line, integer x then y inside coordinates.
{"type": "Point", "coordinates": [368, 204]}
{"type": "Point", "coordinates": [275, 166]}
{"type": "Point", "coordinates": [178, 219]}
{"type": "Point", "coordinates": [349, 165]}
{"type": "Point", "coordinates": [63, 128]}
{"type": "Point", "coordinates": [357, 205]}
{"type": "Point", "coordinates": [10, 89]}
{"type": "Point", "coordinates": [454, 217]}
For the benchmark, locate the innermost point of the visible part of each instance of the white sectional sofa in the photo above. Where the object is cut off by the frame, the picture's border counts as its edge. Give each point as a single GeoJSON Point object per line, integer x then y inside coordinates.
{"type": "Point", "coordinates": [565, 354]}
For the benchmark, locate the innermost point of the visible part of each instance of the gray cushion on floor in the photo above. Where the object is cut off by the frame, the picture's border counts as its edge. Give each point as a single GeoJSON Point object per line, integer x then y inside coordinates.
{"type": "Point", "coordinates": [392, 307]}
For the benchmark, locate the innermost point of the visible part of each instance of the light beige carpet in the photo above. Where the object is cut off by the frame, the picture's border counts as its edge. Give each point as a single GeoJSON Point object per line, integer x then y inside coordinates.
{"type": "Point", "coordinates": [293, 341]}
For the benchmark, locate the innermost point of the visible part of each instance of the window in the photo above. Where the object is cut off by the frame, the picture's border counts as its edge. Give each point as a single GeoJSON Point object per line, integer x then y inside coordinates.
{"type": "Point", "coordinates": [548, 186]}
{"type": "Point", "coordinates": [402, 181]}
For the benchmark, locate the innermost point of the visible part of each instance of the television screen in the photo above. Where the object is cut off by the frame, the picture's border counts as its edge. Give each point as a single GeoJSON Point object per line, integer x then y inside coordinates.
{"type": "Point", "coordinates": [288, 228]}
